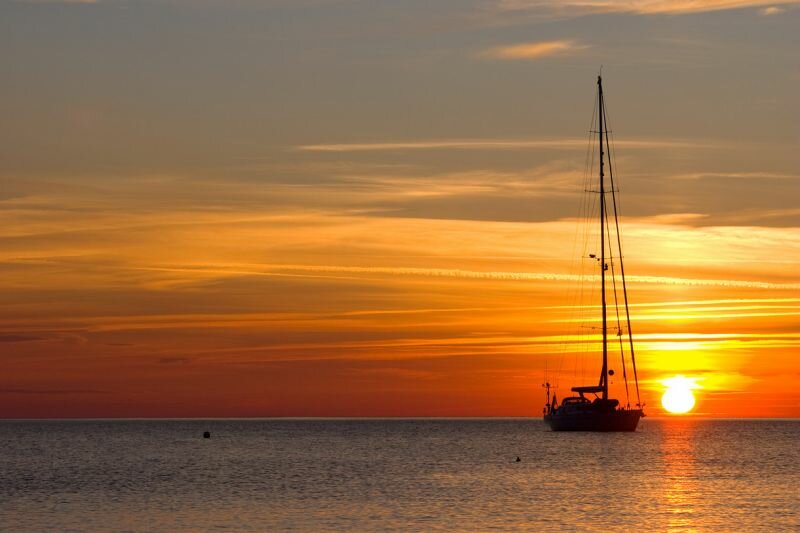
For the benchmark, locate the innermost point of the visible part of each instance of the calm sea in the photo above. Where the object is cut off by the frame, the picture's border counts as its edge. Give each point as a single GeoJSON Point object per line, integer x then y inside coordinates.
{"type": "Point", "coordinates": [409, 475]}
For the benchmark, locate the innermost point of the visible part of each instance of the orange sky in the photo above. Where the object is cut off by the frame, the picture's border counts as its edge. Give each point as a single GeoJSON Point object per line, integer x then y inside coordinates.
{"type": "Point", "coordinates": [189, 318]}
{"type": "Point", "coordinates": [324, 219]}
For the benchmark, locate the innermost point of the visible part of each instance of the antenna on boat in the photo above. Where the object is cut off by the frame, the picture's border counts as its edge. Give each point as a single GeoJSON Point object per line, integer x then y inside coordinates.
{"type": "Point", "coordinates": [547, 387]}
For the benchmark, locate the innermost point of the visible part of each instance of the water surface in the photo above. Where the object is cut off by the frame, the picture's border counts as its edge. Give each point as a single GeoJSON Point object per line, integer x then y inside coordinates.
{"type": "Point", "coordinates": [411, 475]}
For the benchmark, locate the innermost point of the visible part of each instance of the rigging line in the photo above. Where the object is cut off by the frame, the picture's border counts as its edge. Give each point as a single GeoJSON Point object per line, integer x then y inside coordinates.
{"type": "Point", "coordinates": [577, 291]}
{"type": "Point", "coordinates": [589, 282]}
{"type": "Point", "coordinates": [588, 200]}
{"type": "Point", "coordinates": [624, 284]}
{"type": "Point", "coordinates": [612, 164]}
{"type": "Point", "coordinates": [616, 310]}
{"type": "Point", "coordinates": [589, 285]}
{"type": "Point", "coordinates": [587, 208]}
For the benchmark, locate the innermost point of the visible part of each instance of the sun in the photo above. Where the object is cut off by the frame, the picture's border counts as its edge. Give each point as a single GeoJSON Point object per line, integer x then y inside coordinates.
{"type": "Point", "coordinates": [678, 397]}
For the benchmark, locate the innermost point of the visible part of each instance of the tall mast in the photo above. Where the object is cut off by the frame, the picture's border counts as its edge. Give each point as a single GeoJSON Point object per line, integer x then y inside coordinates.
{"type": "Point", "coordinates": [604, 373]}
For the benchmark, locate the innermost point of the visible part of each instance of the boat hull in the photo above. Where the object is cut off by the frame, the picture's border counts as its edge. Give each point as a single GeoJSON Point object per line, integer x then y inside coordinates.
{"type": "Point", "coordinates": [619, 420]}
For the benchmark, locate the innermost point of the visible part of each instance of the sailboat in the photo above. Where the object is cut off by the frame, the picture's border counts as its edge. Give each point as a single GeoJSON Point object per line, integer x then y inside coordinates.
{"type": "Point", "coordinates": [591, 409]}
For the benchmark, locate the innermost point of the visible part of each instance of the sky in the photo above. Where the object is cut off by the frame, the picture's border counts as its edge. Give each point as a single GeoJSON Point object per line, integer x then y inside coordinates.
{"type": "Point", "coordinates": [370, 208]}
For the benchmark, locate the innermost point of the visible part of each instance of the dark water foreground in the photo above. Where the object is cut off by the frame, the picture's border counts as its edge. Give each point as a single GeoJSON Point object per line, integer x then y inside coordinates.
{"type": "Point", "coordinates": [410, 475]}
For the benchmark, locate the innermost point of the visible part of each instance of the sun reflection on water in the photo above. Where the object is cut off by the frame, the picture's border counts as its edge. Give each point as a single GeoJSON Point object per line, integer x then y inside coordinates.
{"type": "Point", "coordinates": [680, 494]}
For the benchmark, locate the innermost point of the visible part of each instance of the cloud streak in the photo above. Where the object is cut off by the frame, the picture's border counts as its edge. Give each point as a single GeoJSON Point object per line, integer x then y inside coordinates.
{"type": "Point", "coordinates": [507, 144]}
{"type": "Point", "coordinates": [533, 51]}
{"type": "Point", "coordinates": [277, 270]}
{"type": "Point", "coordinates": [642, 7]}
{"type": "Point", "coordinates": [737, 175]}
{"type": "Point", "coordinates": [76, 2]}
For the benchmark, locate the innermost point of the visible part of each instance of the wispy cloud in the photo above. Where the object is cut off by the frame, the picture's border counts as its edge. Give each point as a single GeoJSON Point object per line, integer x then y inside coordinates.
{"type": "Point", "coordinates": [771, 10]}
{"type": "Point", "coordinates": [59, 1]}
{"type": "Point", "coordinates": [734, 301]}
{"type": "Point", "coordinates": [532, 51]}
{"type": "Point", "coordinates": [545, 179]}
{"type": "Point", "coordinates": [446, 144]}
{"type": "Point", "coordinates": [737, 175]}
{"type": "Point", "coordinates": [278, 269]}
{"type": "Point", "coordinates": [643, 7]}
{"type": "Point", "coordinates": [506, 144]}
{"type": "Point", "coordinates": [51, 391]}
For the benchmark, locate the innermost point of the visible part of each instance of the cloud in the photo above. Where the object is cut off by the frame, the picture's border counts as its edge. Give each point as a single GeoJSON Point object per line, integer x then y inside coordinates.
{"type": "Point", "coordinates": [771, 10]}
{"type": "Point", "coordinates": [281, 269]}
{"type": "Point", "coordinates": [13, 337]}
{"type": "Point", "coordinates": [173, 360]}
{"type": "Point", "coordinates": [682, 303]}
{"type": "Point", "coordinates": [60, 1]}
{"type": "Point", "coordinates": [506, 144]}
{"type": "Point", "coordinates": [446, 144]}
{"type": "Point", "coordinates": [536, 50]}
{"type": "Point", "coordinates": [52, 391]}
{"type": "Point", "coordinates": [736, 175]}
{"type": "Point", "coordinates": [555, 178]}
{"type": "Point", "coordinates": [641, 7]}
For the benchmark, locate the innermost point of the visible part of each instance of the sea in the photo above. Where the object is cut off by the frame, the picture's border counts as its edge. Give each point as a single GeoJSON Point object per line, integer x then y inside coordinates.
{"type": "Point", "coordinates": [673, 474]}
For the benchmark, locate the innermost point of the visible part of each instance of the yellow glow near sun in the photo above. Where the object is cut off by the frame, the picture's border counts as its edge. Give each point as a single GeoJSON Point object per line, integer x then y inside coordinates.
{"type": "Point", "coordinates": [678, 397]}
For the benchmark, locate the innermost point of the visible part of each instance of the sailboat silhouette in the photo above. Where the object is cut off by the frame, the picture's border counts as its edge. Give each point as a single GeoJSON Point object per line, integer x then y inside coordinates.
{"type": "Point", "coordinates": [579, 413]}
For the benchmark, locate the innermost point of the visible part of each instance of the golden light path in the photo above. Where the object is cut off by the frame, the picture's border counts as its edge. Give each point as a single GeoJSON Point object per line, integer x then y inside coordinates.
{"type": "Point", "coordinates": [678, 398]}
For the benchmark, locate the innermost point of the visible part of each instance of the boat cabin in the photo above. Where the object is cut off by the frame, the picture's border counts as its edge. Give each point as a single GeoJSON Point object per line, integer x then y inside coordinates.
{"type": "Point", "coordinates": [577, 404]}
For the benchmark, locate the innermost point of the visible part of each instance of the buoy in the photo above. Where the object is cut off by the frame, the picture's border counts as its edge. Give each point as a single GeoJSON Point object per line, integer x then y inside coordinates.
{"type": "Point", "coordinates": [207, 435]}
{"type": "Point", "coordinates": [519, 460]}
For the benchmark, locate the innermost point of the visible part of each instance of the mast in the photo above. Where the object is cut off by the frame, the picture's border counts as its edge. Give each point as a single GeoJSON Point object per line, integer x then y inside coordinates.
{"type": "Point", "coordinates": [604, 372]}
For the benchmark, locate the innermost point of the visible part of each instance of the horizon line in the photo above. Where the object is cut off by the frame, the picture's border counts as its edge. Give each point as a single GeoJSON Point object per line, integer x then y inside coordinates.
{"type": "Point", "coordinates": [356, 417]}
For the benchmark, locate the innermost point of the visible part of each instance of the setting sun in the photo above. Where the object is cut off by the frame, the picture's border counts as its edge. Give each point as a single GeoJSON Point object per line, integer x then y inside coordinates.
{"type": "Point", "coordinates": [678, 397]}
